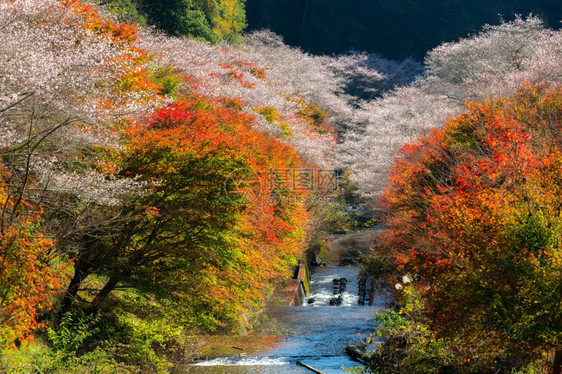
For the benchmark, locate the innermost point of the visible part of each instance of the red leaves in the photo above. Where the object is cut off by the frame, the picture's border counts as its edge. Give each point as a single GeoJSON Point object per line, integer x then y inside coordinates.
{"type": "Point", "coordinates": [27, 279]}
{"type": "Point", "coordinates": [472, 208]}
{"type": "Point", "coordinates": [199, 147]}
{"type": "Point", "coordinates": [172, 115]}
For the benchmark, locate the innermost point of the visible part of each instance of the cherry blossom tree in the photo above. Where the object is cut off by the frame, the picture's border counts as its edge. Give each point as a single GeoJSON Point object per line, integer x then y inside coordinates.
{"type": "Point", "coordinates": [67, 77]}
{"type": "Point", "coordinates": [490, 64]}
{"type": "Point", "coordinates": [266, 73]}
{"type": "Point", "coordinates": [53, 110]}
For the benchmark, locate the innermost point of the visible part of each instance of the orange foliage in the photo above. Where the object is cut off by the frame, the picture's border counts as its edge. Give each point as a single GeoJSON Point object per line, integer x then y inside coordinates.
{"type": "Point", "coordinates": [132, 61]}
{"type": "Point", "coordinates": [187, 151]}
{"type": "Point", "coordinates": [27, 278]}
{"type": "Point", "coordinates": [474, 208]}
{"type": "Point", "coordinates": [269, 212]}
{"type": "Point", "coordinates": [121, 32]}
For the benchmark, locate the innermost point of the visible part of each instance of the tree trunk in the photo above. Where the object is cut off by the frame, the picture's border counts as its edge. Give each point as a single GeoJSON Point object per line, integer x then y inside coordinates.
{"type": "Point", "coordinates": [73, 288]}
{"type": "Point", "coordinates": [105, 291]}
{"type": "Point", "coordinates": [557, 365]}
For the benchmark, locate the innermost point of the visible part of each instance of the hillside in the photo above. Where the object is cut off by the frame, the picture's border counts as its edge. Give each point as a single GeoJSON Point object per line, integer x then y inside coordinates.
{"type": "Point", "coordinates": [157, 183]}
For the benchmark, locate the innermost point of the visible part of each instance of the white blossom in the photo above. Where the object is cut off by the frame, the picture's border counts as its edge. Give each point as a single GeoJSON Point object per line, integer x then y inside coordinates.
{"type": "Point", "coordinates": [55, 76]}
{"type": "Point", "coordinates": [491, 64]}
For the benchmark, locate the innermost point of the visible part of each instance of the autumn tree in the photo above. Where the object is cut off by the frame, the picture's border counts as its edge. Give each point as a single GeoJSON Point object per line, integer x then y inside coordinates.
{"type": "Point", "coordinates": [29, 274]}
{"type": "Point", "coordinates": [202, 235]}
{"type": "Point", "coordinates": [491, 63]}
{"type": "Point", "coordinates": [257, 75]}
{"type": "Point", "coordinates": [138, 200]}
{"type": "Point", "coordinates": [61, 98]}
{"type": "Point", "coordinates": [218, 238]}
{"type": "Point", "coordinates": [474, 209]}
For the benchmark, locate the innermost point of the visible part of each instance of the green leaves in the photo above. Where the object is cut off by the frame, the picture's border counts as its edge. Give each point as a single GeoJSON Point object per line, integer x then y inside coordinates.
{"type": "Point", "coordinates": [209, 20]}
{"type": "Point", "coordinates": [532, 233]}
{"type": "Point", "coordinates": [73, 330]}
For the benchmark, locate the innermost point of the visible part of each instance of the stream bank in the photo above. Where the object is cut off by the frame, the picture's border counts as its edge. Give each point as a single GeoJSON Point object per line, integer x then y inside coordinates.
{"type": "Point", "coordinates": [315, 333]}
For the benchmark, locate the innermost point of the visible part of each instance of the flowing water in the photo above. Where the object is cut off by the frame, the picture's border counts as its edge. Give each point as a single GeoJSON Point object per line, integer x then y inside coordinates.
{"type": "Point", "coordinates": [315, 334]}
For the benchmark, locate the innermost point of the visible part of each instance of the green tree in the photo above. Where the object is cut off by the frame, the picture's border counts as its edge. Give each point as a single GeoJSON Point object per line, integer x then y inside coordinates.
{"type": "Point", "coordinates": [179, 18]}
{"type": "Point", "coordinates": [125, 10]}
{"type": "Point", "coordinates": [210, 20]}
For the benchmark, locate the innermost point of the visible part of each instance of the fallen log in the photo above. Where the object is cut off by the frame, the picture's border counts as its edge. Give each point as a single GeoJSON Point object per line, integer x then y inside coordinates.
{"type": "Point", "coordinates": [300, 363]}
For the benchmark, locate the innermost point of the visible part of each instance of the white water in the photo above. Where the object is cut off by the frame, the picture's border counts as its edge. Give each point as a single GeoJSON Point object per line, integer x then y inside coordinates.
{"type": "Point", "coordinates": [315, 334]}
{"type": "Point", "coordinates": [244, 361]}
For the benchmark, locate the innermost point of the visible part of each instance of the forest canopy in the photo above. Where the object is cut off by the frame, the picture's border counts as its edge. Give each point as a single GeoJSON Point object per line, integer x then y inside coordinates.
{"type": "Point", "coordinates": [209, 20]}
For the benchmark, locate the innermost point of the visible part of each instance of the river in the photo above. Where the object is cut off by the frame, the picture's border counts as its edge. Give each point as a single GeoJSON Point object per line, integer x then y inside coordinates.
{"type": "Point", "coordinates": [315, 334]}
